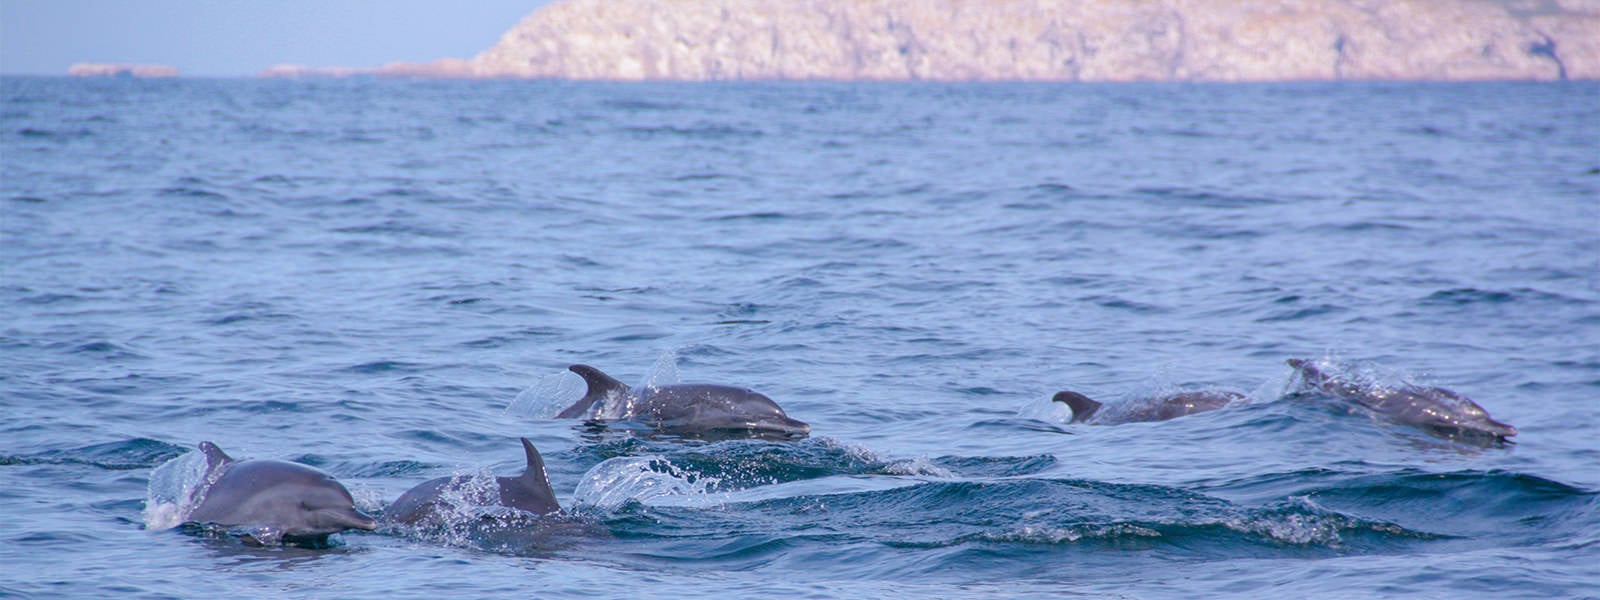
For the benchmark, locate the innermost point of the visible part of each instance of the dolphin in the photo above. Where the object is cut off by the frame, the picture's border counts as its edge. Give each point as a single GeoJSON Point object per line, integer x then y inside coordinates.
{"type": "Point", "coordinates": [1160, 408]}
{"type": "Point", "coordinates": [430, 500]}
{"type": "Point", "coordinates": [1437, 411]}
{"type": "Point", "coordinates": [683, 409]}
{"type": "Point", "coordinates": [273, 500]}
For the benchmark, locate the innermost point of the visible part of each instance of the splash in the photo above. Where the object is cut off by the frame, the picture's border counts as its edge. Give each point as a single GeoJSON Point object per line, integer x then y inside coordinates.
{"type": "Point", "coordinates": [554, 392]}
{"type": "Point", "coordinates": [173, 490]}
{"type": "Point", "coordinates": [1047, 410]}
{"type": "Point", "coordinates": [618, 407]}
{"type": "Point", "coordinates": [1291, 528]}
{"type": "Point", "coordinates": [469, 498]}
{"type": "Point", "coordinates": [664, 372]}
{"type": "Point", "coordinates": [614, 407]}
{"type": "Point", "coordinates": [1364, 377]}
{"type": "Point", "coordinates": [618, 481]}
{"type": "Point", "coordinates": [920, 466]}
{"type": "Point", "coordinates": [467, 513]}
{"type": "Point", "coordinates": [1031, 534]}
{"type": "Point", "coordinates": [467, 494]}
{"type": "Point", "coordinates": [548, 396]}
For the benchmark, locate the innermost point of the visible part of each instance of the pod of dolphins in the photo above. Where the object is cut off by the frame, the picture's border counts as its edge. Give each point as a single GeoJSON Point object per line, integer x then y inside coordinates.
{"type": "Point", "coordinates": [271, 501]}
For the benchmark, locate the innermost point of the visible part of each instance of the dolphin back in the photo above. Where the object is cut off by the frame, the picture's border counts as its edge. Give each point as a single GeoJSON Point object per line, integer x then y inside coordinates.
{"type": "Point", "coordinates": [1437, 411]}
{"type": "Point", "coordinates": [715, 410]}
{"type": "Point", "coordinates": [693, 409]}
{"type": "Point", "coordinates": [275, 500]}
{"type": "Point", "coordinates": [449, 500]}
{"type": "Point", "coordinates": [1188, 403]}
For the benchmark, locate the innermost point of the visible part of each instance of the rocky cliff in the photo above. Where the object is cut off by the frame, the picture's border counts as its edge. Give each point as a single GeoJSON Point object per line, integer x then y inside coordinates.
{"type": "Point", "coordinates": [1064, 40]}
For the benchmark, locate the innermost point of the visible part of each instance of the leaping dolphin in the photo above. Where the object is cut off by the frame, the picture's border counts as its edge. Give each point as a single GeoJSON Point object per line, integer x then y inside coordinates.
{"type": "Point", "coordinates": [430, 500]}
{"type": "Point", "coordinates": [683, 409]}
{"type": "Point", "coordinates": [273, 501]}
{"type": "Point", "coordinates": [1161, 408]}
{"type": "Point", "coordinates": [1437, 411]}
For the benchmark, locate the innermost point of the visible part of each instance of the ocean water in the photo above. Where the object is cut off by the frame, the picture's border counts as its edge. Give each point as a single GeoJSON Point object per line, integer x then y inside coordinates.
{"type": "Point", "coordinates": [387, 279]}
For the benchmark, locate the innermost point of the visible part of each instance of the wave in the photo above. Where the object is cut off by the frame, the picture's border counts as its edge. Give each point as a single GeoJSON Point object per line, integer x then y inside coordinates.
{"type": "Point", "coordinates": [123, 455]}
{"type": "Point", "coordinates": [788, 495]}
{"type": "Point", "coordinates": [929, 526]}
{"type": "Point", "coordinates": [705, 131]}
{"type": "Point", "coordinates": [187, 191]}
{"type": "Point", "coordinates": [1191, 197]}
{"type": "Point", "coordinates": [1469, 296]}
{"type": "Point", "coordinates": [639, 463]}
{"type": "Point", "coordinates": [62, 134]}
{"type": "Point", "coordinates": [1464, 503]}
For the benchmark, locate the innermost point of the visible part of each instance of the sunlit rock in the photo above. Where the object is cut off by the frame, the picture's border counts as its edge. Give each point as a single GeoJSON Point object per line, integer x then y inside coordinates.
{"type": "Point", "coordinates": [1066, 40]}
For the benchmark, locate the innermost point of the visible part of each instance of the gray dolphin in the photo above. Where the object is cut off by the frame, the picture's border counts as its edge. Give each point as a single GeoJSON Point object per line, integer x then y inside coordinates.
{"type": "Point", "coordinates": [274, 500]}
{"type": "Point", "coordinates": [1437, 411]}
{"type": "Point", "coordinates": [1170, 406]}
{"type": "Point", "coordinates": [684, 409]}
{"type": "Point", "coordinates": [429, 500]}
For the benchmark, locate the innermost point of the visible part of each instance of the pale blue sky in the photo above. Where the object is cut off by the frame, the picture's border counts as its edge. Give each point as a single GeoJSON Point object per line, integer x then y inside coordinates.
{"type": "Point", "coordinates": [241, 37]}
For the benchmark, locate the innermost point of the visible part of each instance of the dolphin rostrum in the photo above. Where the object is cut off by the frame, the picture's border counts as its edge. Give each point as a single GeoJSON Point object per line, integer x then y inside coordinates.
{"type": "Point", "coordinates": [1160, 408]}
{"type": "Point", "coordinates": [1437, 411]}
{"type": "Point", "coordinates": [273, 501]}
{"type": "Point", "coordinates": [683, 409]}
{"type": "Point", "coordinates": [433, 500]}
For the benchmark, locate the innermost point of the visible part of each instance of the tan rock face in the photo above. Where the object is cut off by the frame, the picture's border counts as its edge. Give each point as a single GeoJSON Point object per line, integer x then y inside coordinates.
{"type": "Point", "coordinates": [1068, 40]}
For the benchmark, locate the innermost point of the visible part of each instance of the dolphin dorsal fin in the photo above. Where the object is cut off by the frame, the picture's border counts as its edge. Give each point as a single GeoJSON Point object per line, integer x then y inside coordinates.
{"type": "Point", "coordinates": [535, 477]}
{"type": "Point", "coordinates": [600, 384]}
{"type": "Point", "coordinates": [1311, 375]}
{"type": "Point", "coordinates": [1082, 406]}
{"type": "Point", "coordinates": [215, 457]}
{"type": "Point", "coordinates": [1306, 368]}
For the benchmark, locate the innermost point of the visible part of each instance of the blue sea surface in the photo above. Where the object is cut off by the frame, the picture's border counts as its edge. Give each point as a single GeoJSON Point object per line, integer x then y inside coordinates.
{"type": "Point", "coordinates": [386, 279]}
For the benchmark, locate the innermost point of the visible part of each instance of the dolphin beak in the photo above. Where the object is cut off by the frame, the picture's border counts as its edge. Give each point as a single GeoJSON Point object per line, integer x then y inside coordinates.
{"type": "Point", "coordinates": [350, 518]}
{"type": "Point", "coordinates": [786, 427]}
{"type": "Point", "coordinates": [1500, 429]}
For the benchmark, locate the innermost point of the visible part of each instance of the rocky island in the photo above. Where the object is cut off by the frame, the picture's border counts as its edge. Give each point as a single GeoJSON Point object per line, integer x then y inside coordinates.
{"type": "Point", "coordinates": [1038, 40]}
{"type": "Point", "coordinates": [120, 70]}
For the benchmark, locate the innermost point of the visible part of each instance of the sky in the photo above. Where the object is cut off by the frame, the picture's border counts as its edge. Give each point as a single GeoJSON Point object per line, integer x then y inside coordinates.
{"type": "Point", "coordinates": [228, 38]}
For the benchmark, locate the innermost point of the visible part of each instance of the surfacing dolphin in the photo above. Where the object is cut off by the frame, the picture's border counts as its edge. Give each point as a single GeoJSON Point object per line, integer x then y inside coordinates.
{"type": "Point", "coordinates": [692, 409]}
{"type": "Point", "coordinates": [434, 500]}
{"type": "Point", "coordinates": [273, 501]}
{"type": "Point", "coordinates": [1439, 412]}
{"type": "Point", "coordinates": [1160, 408]}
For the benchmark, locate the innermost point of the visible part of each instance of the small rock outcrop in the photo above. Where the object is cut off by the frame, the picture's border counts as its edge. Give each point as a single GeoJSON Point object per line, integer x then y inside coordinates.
{"type": "Point", "coordinates": [444, 68]}
{"type": "Point", "coordinates": [120, 70]}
